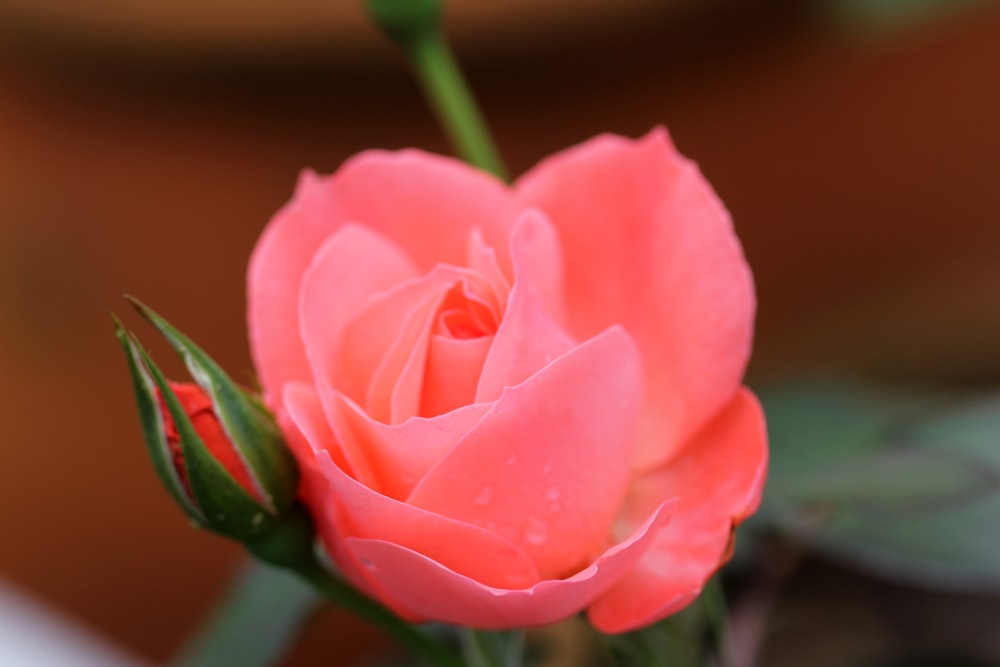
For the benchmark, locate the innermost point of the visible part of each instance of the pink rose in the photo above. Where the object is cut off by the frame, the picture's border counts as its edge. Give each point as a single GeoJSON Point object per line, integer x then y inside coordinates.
{"type": "Point", "coordinates": [512, 404]}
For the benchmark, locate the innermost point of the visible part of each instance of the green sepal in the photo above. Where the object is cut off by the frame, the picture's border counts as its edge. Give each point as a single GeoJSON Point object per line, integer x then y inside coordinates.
{"type": "Point", "coordinates": [247, 424]}
{"type": "Point", "coordinates": [225, 506]}
{"type": "Point", "coordinates": [153, 428]}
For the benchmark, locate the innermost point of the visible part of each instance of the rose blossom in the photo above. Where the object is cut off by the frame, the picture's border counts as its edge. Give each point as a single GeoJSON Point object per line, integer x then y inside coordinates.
{"type": "Point", "coordinates": [512, 404]}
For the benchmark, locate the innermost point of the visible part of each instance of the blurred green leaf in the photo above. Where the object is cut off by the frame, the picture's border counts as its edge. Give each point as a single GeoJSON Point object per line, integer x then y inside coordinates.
{"type": "Point", "coordinates": [905, 484]}
{"type": "Point", "coordinates": [256, 623]}
{"type": "Point", "coordinates": [886, 13]}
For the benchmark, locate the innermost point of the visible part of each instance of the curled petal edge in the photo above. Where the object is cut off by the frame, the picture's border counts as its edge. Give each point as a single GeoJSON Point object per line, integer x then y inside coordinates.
{"type": "Point", "coordinates": [415, 585]}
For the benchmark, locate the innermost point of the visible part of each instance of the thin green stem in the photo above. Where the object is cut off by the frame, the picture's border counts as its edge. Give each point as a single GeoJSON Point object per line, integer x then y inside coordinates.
{"type": "Point", "coordinates": [713, 600]}
{"type": "Point", "coordinates": [345, 596]}
{"type": "Point", "coordinates": [493, 649]}
{"type": "Point", "coordinates": [449, 95]}
{"type": "Point", "coordinates": [290, 545]}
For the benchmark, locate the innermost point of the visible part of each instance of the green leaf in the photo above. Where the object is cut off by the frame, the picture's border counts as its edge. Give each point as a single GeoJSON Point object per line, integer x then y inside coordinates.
{"type": "Point", "coordinates": [256, 623]}
{"type": "Point", "coordinates": [248, 425]}
{"type": "Point", "coordinates": [152, 423]}
{"type": "Point", "coordinates": [904, 484]}
{"type": "Point", "coordinates": [674, 641]}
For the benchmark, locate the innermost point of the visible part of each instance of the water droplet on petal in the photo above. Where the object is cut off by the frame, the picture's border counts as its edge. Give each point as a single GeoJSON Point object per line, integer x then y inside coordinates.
{"type": "Point", "coordinates": [484, 496]}
{"type": "Point", "coordinates": [535, 532]}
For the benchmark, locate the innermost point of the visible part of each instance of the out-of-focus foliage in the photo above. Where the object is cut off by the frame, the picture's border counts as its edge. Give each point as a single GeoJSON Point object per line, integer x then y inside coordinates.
{"type": "Point", "coordinates": [906, 485]}
{"type": "Point", "coordinates": [890, 12]}
{"type": "Point", "coordinates": [942, 661]}
{"type": "Point", "coordinates": [256, 622]}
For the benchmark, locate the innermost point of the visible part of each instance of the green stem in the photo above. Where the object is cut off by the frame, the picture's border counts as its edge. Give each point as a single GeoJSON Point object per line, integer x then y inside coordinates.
{"type": "Point", "coordinates": [450, 97]}
{"type": "Point", "coordinates": [347, 597]}
{"type": "Point", "coordinates": [290, 545]}
{"type": "Point", "coordinates": [493, 649]}
{"type": "Point", "coordinates": [713, 600]}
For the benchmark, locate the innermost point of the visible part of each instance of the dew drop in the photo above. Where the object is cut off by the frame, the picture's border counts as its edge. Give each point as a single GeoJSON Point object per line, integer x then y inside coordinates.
{"type": "Point", "coordinates": [535, 532]}
{"type": "Point", "coordinates": [484, 496]}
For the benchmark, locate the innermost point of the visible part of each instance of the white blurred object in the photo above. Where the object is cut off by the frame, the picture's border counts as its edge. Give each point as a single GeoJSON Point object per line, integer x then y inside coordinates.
{"type": "Point", "coordinates": [32, 635]}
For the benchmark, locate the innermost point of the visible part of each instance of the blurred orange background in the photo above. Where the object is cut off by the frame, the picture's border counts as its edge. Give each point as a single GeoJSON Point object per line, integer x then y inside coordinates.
{"type": "Point", "coordinates": [142, 150]}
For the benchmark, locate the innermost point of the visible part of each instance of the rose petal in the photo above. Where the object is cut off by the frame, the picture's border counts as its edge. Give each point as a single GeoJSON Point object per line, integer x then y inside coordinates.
{"type": "Point", "coordinates": [401, 454]}
{"type": "Point", "coordinates": [394, 391]}
{"type": "Point", "coordinates": [426, 203]}
{"type": "Point", "coordinates": [482, 259]}
{"type": "Point", "coordinates": [649, 245]}
{"type": "Point", "coordinates": [371, 515]}
{"type": "Point", "coordinates": [452, 373]}
{"type": "Point", "coordinates": [313, 487]}
{"type": "Point", "coordinates": [718, 479]}
{"type": "Point", "coordinates": [353, 265]}
{"type": "Point", "coordinates": [547, 466]}
{"type": "Point", "coordinates": [417, 586]}
{"type": "Point", "coordinates": [384, 351]}
{"type": "Point", "coordinates": [531, 334]}
{"type": "Point", "coordinates": [277, 265]}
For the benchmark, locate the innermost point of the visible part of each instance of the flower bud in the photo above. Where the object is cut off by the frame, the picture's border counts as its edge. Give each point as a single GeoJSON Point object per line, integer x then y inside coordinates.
{"type": "Point", "coordinates": [199, 409]}
{"type": "Point", "coordinates": [212, 443]}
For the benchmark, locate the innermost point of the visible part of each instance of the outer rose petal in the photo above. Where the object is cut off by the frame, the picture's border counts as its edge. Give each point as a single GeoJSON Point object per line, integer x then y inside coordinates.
{"type": "Point", "coordinates": [718, 477]}
{"type": "Point", "coordinates": [426, 203]}
{"type": "Point", "coordinates": [354, 264]}
{"type": "Point", "coordinates": [416, 586]}
{"type": "Point", "coordinates": [547, 466]}
{"type": "Point", "coordinates": [277, 265]}
{"type": "Point", "coordinates": [648, 245]}
{"type": "Point", "coordinates": [315, 493]}
{"type": "Point", "coordinates": [371, 515]}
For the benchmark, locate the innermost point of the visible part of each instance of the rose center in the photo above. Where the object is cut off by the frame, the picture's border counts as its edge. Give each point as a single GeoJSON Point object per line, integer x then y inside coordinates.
{"type": "Point", "coordinates": [463, 316]}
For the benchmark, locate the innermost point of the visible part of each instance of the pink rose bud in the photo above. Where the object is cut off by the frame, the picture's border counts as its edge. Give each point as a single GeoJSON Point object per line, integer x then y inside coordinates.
{"type": "Point", "coordinates": [214, 445]}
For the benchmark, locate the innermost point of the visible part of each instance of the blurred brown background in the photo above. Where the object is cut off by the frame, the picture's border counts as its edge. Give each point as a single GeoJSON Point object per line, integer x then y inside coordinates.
{"type": "Point", "coordinates": [144, 145]}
